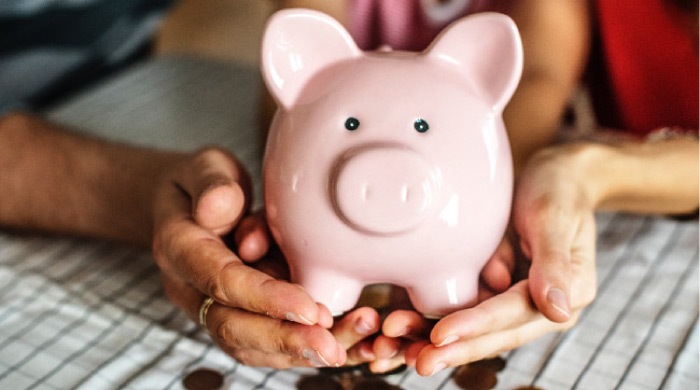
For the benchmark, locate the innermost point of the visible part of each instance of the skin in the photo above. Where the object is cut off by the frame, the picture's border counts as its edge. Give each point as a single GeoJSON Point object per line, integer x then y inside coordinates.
{"type": "Point", "coordinates": [558, 190]}
{"type": "Point", "coordinates": [558, 193]}
{"type": "Point", "coordinates": [184, 206]}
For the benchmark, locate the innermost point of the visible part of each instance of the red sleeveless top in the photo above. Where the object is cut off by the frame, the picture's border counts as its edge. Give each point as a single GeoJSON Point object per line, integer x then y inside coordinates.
{"type": "Point", "coordinates": [651, 65]}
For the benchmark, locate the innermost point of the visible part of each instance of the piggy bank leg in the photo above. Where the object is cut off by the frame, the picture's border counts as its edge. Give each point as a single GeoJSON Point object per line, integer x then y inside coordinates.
{"type": "Point", "coordinates": [339, 293]}
{"type": "Point", "coordinates": [437, 297]}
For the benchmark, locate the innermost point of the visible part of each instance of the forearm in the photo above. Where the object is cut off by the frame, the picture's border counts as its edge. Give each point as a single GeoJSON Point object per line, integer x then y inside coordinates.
{"type": "Point", "coordinates": [556, 39]}
{"type": "Point", "coordinates": [533, 116]}
{"type": "Point", "coordinates": [652, 177]}
{"type": "Point", "coordinates": [56, 181]}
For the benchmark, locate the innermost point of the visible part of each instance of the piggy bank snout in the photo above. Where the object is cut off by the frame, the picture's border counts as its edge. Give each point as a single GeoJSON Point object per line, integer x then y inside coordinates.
{"type": "Point", "coordinates": [383, 190]}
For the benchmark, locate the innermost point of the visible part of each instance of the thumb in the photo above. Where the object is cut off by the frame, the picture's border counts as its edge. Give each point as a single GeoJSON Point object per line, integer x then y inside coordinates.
{"type": "Point", "coordinates": [218, 187]}
{"type": "Point", "coordinates": [547, 242]}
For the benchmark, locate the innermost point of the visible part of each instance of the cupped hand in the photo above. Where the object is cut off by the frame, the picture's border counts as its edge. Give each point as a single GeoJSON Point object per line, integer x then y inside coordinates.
{"type": "Point", "coordinates": [554, 219]}
{"type": "Point", "coordinates": [405, 331]}
{"type": "Point", "coordinates": [256, 318]}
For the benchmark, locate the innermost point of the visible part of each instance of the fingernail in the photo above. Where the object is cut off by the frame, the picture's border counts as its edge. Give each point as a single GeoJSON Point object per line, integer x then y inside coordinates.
{"type": "Point", "coordinates": [558, 300]}
{"type": "Point", "coordinates": [366, 353]}
{"type": "Point", "coordinates": [298, 318]}
{"type": "Point", "coordinates": [438, 367]}
{"type": "Point", "coordinates": [380, 366]}
{"type": "Point", "coordinates": [363, 327]}
{"type": "Point", "coordinates": [392, 354]}
{"type": "Point", "coordinates": [315, 358]}
{"type": "Point", "coordinates": [448, 340]}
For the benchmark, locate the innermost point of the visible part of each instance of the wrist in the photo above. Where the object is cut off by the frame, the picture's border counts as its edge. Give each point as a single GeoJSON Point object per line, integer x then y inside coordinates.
{"type": "Point", "coordinates": [581, 164]}
{"type": "Point", "coordinates": [658, 177]}
{"type": "Point", "coordinates": [155, 174]}
{"type": "Point", "coordinates": [591, 162]}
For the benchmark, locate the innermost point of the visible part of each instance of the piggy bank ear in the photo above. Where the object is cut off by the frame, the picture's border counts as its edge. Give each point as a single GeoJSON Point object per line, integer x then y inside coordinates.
{"type": "Point", "coordinates": [296, 45]}
{"type": "Point", "coordinates": [487, 49]}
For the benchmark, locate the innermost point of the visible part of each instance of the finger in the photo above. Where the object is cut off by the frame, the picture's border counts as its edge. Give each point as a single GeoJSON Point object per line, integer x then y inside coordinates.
{"type": "Point", "coordinates": [413, 350]}
{"type": "Point", "coordinates": [548, 239]}
{"type": "Point", "coordinates": [432, 359]}
{"type": "Point", "coordinates": [484, 292]}
{"type": "Point", "coordinates": [387, 347]}
{"type": "Point", "coordinates": [218, 187]}
{"type": "Point", "coordinates": [549, 276]}
{"type": "Point", "coordinates": [240, 329]}
{"type": "Point", "coordinates": [406, 323]}
{"type": "Point", "coordinates": [209, 266]}
{"type": "Point", "coordinates": [325, 317]}
{"type": "Point", "coordinates": [361, 352]}
{"type": "Point", "coordinates": [253, 358]}
{"type": "Point", "coordinates": [508, 310]}
{"type": "Point", "coordinates": [182, 295]}
{"type": "Point", "coordinates": [380, 366]}
{"type": "Point", "coordinates": [356, 326]}
{"type": "Point", "coordinates": [252, 237]}
{"type": "Point", "coordinates": [273, 264]}
{"type": "Point", "coordinates": [497, 272]}
{"type": "Point", "coordinates": [389, 353]}
{"type": "Point", "coordinates": [190, 301]}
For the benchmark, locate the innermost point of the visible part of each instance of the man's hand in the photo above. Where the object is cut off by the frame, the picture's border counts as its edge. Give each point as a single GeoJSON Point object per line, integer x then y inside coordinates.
{"type": "Point", "coordinates": [256, 318]}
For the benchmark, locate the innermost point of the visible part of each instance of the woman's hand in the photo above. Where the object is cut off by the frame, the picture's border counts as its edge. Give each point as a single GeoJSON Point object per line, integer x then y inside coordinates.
{"type": "Point", "coordinates": [554, 219]}
{"type": "Point", "coordinates": [256, 318]}
{"type": "Point", "coordinates": [405, 327]}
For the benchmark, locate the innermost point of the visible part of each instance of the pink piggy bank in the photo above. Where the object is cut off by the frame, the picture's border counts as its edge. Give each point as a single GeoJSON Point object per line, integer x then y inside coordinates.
{"type": "Point", "coordinates": [388, 166]}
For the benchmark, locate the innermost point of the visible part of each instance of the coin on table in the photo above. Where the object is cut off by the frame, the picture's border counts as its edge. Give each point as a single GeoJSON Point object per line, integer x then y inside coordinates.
{"type": "Point", "coordinates": [479, 375]}
{"type": "Point", "coordinates": [318, 382]}
{"type": "Point", "coordinates": [203, 379]}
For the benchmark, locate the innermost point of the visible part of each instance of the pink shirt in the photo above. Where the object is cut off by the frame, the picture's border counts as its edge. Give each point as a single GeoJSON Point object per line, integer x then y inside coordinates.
{"type": "Point", "coordinates": [404, 24]}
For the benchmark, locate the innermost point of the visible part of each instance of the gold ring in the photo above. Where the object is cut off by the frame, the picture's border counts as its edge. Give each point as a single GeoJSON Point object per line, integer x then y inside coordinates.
{"type": "Point", "coordinates": [208, 301]}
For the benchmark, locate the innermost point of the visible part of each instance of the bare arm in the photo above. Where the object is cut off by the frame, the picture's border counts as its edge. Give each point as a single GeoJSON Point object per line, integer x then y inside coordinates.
{"type": "Point", "coordinates": [651, 177]}
{"type": "Point", "coordinates": [53, 180]}
{"type": "Point", "coordinates": [556, 40]}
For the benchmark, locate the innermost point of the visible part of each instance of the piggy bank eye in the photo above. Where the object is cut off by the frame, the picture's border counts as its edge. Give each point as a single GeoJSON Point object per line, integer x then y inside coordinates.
{"type": "Point", "coordinates": [421, 125]}
{"type": "Point", "coordinates": [352, 123]}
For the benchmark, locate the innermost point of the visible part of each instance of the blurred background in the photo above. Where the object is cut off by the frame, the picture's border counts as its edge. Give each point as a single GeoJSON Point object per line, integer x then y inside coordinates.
{"type": "Point", "coordinates": [222, 29]}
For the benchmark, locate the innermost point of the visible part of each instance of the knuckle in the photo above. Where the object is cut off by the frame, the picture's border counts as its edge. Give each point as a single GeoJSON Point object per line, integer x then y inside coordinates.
{"type": "Point", "coordinates": [170, 243]}
{"type": "Point", "coordinates": [485, 316]}
{"type": "Point", "coordinates": [280, 340]}
{"type": "Point", "coordinates": [228, 334]}
{"type": "Point", "coordinates": [209, 151]}
{"type": "Point", "coordinates": [237, 283]}
{"type": "Point", "coordinates": [214, 288]}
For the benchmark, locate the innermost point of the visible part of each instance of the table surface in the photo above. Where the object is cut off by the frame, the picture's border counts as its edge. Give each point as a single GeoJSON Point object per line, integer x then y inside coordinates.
{"type": "Point", "coordinates": [85, 314]}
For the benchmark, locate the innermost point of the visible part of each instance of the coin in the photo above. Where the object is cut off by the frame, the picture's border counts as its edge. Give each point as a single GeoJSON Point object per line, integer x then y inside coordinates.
{"type": "Point", "coordinates": [479, 375]}
{"type": "Point", "coordinates": [203, 379]}
{"type": "Point", "coordinates": [318, 382]}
